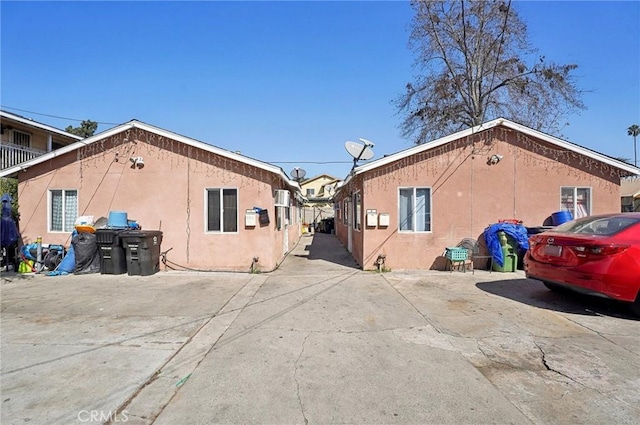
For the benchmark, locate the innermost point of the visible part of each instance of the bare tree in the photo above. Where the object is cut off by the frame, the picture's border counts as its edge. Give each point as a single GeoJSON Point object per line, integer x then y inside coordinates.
{"type": "Point", "coordinates": [476, 64]}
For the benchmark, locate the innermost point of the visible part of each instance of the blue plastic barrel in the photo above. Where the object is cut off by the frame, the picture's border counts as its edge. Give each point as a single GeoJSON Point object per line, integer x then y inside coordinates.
{"type": "Point", "coordinates": [557, 218]}
{"type": "Point", "coordinates": [117, 219]}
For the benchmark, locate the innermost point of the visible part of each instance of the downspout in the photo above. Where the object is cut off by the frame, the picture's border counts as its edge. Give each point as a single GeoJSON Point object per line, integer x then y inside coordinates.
{"type": "Point", "coordinates": [515, 181]}
{"type": "Point", "coordinates": [471, 188]}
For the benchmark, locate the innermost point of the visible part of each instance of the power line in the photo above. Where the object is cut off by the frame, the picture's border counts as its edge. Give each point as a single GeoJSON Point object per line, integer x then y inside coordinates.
{"type": "Point", "coordinates": [52, 116]}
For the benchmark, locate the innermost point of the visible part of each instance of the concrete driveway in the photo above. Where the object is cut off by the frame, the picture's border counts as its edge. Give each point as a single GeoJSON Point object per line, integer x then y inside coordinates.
{"type": "Point", "coordinates": [318, 341]}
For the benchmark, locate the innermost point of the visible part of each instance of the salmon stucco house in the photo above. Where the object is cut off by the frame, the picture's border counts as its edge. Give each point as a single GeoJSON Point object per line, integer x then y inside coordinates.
{"type": "Point", "coordinates": [409, 206]}
{"type": "Point", "coordinates": [217, 209]}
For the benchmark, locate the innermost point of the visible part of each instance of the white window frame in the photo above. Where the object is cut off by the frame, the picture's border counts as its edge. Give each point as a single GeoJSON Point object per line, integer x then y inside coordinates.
{"type": "Point", "coordinates": [64, 218]}
{"type": "Point", "coordinates": [345, 211]}
{"type": "Point", "coordinates": [206, 211]}
{"type": "Point", "coordinates": [283, 215]}
{"type": "Point", "coordinates": [414, 226]}
{"type": "Point", "coordinates": [574, 206]}
{"type": "Point", "coordinates": [357, 211]}
{"type": "Point", "coordinates": [26, 138]}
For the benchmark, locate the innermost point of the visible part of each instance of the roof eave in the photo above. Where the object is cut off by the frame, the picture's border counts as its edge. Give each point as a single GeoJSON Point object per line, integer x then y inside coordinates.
{"type": "Point", "coordinates": [165, 133]}
{"type": "Point", "coordinates": [38, 125]}
{"type": "Point", "coordinates": [491, 124]}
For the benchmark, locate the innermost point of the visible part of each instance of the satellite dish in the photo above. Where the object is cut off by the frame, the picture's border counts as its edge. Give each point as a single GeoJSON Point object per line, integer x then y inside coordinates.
{"type": "Point", "coordinates": [330, 188]}
{"type": "Point", "coordinates": [359, 151]}
{"type": "Point", "coordinates": [297, 173]}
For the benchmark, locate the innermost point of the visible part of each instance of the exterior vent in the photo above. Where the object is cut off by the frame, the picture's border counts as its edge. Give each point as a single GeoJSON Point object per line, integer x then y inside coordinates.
{"type": "Point", "coordinates": [282, 198]}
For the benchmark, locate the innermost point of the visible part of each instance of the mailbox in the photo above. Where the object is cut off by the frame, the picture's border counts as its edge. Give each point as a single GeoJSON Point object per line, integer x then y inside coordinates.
{"type": "Point", "coordinates": [250, 218]}
{"type": "Point", "coordinates": [372, 218]}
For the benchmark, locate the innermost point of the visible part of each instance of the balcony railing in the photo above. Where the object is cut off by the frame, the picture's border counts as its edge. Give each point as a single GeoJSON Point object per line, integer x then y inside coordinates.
{"type": "Point", "coordinates": [15, 154]}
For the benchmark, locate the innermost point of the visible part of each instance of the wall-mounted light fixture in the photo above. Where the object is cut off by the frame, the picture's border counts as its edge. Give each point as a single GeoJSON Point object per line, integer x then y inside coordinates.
{"type": "Point", "coordinates": [494, 159]}
{"type": "Point", "coordinates": [137, 162]}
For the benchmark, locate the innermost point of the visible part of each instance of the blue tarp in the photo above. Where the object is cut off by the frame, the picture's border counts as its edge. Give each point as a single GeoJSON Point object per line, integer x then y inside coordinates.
{"type": "Point", "coordinates": [516, 231]}
{"type": "Point", "coordinates": [8, 229]}
{"type": "Point", "coordinates": [68, 263]}
{"type": "Point", "coordinates": [26, 251]}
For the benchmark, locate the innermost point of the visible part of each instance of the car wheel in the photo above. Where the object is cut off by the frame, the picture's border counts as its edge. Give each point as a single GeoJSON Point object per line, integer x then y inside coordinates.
{"type": "Point", "coordinates": [635, 307]}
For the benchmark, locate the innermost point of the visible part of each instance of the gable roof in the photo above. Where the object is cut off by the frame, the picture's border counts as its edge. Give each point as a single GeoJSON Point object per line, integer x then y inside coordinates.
{"type": "Point", "coordinates": [630, 169]}
{"type": "Point", "coordinates": [36, 124]}
{"type": "Point", "coordinates": [306, 182]}
{"type": "Point", "coordinates": [156, 130]}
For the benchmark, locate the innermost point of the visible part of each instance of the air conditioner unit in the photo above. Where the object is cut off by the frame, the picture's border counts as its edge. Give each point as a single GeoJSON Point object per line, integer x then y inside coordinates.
{"type": "Point", "coordinates": [282, 198]}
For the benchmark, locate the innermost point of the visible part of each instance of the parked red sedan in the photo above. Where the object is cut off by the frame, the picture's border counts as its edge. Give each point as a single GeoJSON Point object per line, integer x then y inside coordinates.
{"type": "Point", "coordinates": [597, 255]}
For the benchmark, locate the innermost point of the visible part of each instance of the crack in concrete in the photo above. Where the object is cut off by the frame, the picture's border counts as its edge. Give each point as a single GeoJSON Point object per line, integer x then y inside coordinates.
{"type": "Point", "coordinates": [601, 335]}
{"type": "Point", "coordinates": [544, 362]}
{"type": "Point", "coordinates": [295, 377]}
{"type": "Point", "coordinates": [549, 368]}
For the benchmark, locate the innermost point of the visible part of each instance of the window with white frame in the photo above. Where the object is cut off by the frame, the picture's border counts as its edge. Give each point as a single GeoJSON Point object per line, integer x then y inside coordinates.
{"type": "Point", "coordinates": [345, 211]}
{"type": "Point", "coordinates": [222, 210]}
{"type": "Point", "coordinates": [414, 209]}
{"type": "Point", "coordinates": [311, 192]}
{"type": "Point", "coordinates": [357, 211]}
{"type": "Point", "coordinates": [63, 210]}
{"type": "Point", "coordinates": [21, 138]}
{"type": "Point", "coordinates": [577, 200]}
{"type": "Point", "coordinates": [283, 215]}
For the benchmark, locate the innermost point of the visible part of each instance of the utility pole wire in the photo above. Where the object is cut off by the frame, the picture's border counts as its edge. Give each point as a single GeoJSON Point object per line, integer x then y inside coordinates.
{"type": "Point", "coordinates": [53, 116]}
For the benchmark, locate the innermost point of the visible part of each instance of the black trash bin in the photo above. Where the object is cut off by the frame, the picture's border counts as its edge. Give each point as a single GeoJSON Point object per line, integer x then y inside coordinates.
{"type": "Point", "coordinates": [112, 255]}
{"type": "Point", "coordinates": [142, 251]}
{"type": "Point", "coordinates": [329, 225]}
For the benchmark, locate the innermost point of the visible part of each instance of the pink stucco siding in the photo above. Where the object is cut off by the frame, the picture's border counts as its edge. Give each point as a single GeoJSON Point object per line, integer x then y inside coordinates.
{"type": "Point", "coordinates": [167, 194]}
{"type": "Point", "coordinates": [468, 194]}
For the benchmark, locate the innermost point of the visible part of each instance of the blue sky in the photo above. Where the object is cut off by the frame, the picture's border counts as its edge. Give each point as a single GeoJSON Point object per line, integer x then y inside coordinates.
{"type": "Point", "coordinates": [284, 82]}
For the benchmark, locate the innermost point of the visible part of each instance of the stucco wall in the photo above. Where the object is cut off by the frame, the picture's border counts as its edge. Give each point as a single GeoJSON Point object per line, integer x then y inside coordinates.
{"type": "Point", "coordinates": [167, 194]}
{"type": "Point", "coordinates": [468, 194]}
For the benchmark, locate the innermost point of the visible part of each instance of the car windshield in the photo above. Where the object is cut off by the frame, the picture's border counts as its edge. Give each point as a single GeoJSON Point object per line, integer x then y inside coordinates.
{"type": "Point", "coordinates": [597, 225]}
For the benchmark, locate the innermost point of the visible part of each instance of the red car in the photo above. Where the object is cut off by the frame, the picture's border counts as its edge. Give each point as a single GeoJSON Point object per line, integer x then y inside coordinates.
{"type": "Point", "coordinates": [596, 255]}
